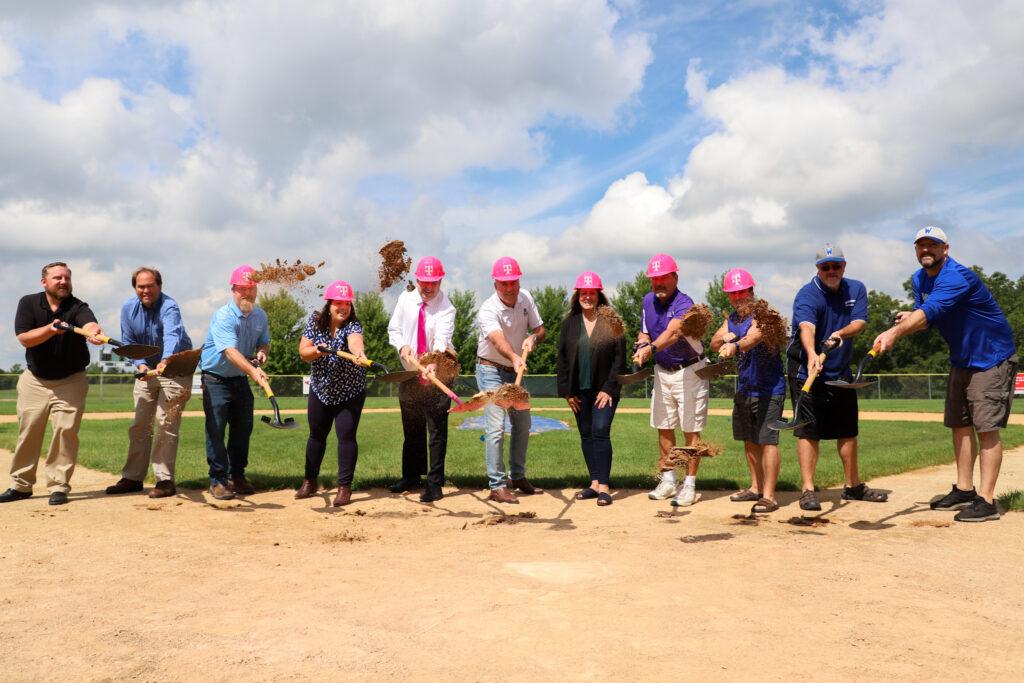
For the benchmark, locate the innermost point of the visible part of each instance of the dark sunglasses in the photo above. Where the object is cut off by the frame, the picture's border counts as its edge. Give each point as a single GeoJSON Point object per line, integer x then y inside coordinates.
{"type": "Point", "coordinates": [825, 267]}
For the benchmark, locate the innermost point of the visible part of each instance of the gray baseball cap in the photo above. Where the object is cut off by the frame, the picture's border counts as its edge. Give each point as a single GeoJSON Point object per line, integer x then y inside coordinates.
{"type": "Point", "coordinates": [829, 253]}
{"type": "Point", "coordinates": [932, 233]}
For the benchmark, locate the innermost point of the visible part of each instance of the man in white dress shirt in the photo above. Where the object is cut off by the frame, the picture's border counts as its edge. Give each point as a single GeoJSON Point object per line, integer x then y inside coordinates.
{"type": "Point", "coordinates": [423, 321]}
{"type": "Point", "coordinates": [509, 325]}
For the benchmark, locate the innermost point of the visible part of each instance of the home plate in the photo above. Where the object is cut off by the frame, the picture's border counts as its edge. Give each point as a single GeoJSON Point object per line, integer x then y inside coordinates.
{"type": "Point", "coordinates": [559, 572]}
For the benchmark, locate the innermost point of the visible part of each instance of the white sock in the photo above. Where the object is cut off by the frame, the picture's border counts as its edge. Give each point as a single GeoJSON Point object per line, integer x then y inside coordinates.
{"type": "Point", "coordinates": [669, 476]}
{"type": "Point", "coordinates": [691, 480]}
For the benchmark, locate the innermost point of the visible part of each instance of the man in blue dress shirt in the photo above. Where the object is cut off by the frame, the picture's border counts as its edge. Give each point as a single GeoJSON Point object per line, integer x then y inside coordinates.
{"type": "Point", "coordinates": [983, 360]}
{"type": "Point", "coordinates": [151, 317]}
{"type": "Point", "coordinates": [238, 331]}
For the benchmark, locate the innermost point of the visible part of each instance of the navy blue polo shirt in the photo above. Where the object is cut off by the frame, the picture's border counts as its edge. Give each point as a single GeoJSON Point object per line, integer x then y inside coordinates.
{"type": "Point", "coordinates": [959, 305]}
{"type": "Point", "coordinates": [829, 311]}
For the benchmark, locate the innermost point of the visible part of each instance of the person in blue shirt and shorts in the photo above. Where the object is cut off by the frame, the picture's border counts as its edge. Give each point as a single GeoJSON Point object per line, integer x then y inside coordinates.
{"type": "Point", "coordinates": [983, 358]}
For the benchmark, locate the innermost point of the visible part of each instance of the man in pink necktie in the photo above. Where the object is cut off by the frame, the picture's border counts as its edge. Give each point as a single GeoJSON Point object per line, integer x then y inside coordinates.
{"type": "Point", "coordinates": [423, 321]}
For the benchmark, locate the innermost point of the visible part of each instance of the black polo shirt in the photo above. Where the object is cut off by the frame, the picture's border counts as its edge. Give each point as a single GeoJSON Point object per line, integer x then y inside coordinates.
{"type": "Point", "coordinates": [63, 354]}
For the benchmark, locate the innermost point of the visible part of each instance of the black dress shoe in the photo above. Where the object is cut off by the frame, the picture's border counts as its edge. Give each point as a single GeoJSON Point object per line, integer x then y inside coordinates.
{"type": "Point", "coordinates": [124, 486]}
{"type": "Point", "coordinates": [431, 493]}
{"type": "Point", "coordinates": [11, 495]}
{"type": "Point", "coordinates": [58, 498]}
{"type": "Point", "coordinates": [403, 485]}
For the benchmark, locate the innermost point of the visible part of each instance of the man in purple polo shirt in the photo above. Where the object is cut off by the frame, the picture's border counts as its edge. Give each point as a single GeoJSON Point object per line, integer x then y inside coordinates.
{"type": "Point", "coordinates": [983, 360]}
{"type": "Point", "coordinates": [680, 398]}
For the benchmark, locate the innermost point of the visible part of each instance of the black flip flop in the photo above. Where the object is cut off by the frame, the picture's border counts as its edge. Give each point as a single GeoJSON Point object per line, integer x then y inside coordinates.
{"type": "Point", "coordinates": [586, 494]}
{"type": "Point", "coordinates": [604, 499]}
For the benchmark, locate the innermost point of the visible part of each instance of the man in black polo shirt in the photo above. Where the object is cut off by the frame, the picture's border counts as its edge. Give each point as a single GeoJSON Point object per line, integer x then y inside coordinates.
{"type": "Point", "coordinates": [54, 385]}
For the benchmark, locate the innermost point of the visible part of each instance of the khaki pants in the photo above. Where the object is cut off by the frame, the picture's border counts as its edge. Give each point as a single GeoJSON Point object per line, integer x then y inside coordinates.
{"type": "Point", "coordinates": [39, 400]}
{"type": "Point", "coordinates": [164, 398]}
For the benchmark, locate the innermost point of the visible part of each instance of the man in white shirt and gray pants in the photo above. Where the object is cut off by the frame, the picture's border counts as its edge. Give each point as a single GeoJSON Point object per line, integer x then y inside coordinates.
{"type": "Point", "coordinates": [509, 325]}
{"type": "Point", "coordinates": [423, 321]}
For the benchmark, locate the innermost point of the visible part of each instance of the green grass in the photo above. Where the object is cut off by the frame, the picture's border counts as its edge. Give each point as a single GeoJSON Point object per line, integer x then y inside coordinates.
{"type": "Point", "coordinates": [1012, 500]}
{"type": "Point", "coordinates": [554, 458]}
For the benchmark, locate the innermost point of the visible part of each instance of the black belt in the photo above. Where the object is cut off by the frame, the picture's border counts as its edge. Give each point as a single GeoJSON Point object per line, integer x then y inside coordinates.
{"type": "Point", "coordinates": [684, 364]}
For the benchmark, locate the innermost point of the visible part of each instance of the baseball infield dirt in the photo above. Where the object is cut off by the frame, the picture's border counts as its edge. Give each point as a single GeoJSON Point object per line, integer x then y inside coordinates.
{"type": "Point", "coordinates": [271, 588]}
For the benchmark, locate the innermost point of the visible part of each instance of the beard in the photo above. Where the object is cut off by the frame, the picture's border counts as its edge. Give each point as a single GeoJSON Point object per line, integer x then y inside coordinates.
{"type": "Point", "coordinates": [59, 292]}
{"type": "Point", "coordinates": [246, 306]}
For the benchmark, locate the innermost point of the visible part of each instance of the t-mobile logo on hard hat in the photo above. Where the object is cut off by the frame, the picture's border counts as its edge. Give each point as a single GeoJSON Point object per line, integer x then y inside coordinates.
{"type": "Point", "coordinates": [655, 265]}
{"type": "Point", "coordinates": [507, 268]}
{"type": "Point", "coordinates": [342, 290]}
{"type": "Point", "coordinates": [587, 280]}
{"type": "Point", "coordinates": [428, 269]}
{"type": "Point", "coordinates": [737, 279]}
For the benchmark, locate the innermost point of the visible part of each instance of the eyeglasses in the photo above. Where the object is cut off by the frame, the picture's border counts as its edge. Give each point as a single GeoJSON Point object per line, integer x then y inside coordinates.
{"type": "Point", "coordinates": [826, 267]}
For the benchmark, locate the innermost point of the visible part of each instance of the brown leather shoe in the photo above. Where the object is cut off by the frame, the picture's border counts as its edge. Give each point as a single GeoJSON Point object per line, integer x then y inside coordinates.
{"type": "Point", "coordinates": [344, 496]}
{"type": "Point", "coordinates": [307, 490]}
{"type": "Point", "coordinates": [221, 492]}
{"type": "Point", "coordinates": [163, 489]}
{"type": "Point", "coordinates": [124, 486]}
{"type": "Point", "coordinates": [242, 486]}
{"type": "Point", "coordinates": [524, 486]}
{"type": "Point", "coordinates": [502, 495]}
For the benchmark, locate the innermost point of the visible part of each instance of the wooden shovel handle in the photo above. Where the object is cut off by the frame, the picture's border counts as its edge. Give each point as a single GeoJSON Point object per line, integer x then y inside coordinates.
{"type": "Point", "coordinates": [813, 375]}
{"type": "Point", "coordinates": [266, 387]}
{"type": "Point", "coordinates": [519, 375]}
{"type": "Point", "coordinates": [346, 355]}
{"type": "Point", "coordinates": [437, 383]}
{"type": "Point", "coordinates": [78, 330]}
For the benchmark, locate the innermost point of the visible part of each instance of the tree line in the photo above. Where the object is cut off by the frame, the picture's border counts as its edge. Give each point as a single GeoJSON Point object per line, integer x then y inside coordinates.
{"type": "Point", "coordinates": [921, 352]}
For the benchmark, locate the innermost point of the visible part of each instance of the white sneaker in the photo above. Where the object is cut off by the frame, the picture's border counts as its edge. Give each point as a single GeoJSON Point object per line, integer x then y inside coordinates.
{"type": "Point", "coordinates": [664, 489]}
{"type": "Point", "coordinates": [687, 496]}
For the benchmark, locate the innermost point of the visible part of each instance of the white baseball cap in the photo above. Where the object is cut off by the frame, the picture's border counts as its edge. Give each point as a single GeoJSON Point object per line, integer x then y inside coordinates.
{"type": "Point", "coordinates": [932, 233]}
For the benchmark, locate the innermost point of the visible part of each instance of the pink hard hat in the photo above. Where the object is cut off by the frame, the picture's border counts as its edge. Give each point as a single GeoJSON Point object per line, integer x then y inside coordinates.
{"type": "Point", "coordinates": [429, 269]}
{"type": "Point", "coordinates": [506, 269]}
{"type": "Point", "coordinates": [242, 275]}
{"type": "Point", "coordinates": [588, 279]}
{"type": "Point", "coordinates": [737, 280]}
{"type": "Point", "coordinates": [661, 264]}
{"type": "Point", "coordinates": [339, 290]}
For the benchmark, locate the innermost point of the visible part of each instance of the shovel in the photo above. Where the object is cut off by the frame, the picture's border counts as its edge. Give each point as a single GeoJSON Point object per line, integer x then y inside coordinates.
{"type": "Point", "coordinates": [277, 422]}
{"type": "Point", "coordinates": [351, 357]}
{"type": "Point", "coordinates": [130, 351]}
{"type": "Point", "coordinates": [805, 390]}
{"type": "Point", "coordinates": [858, 381]}
{"type": "Point", "coordinates": [179, 364]}
{"type": "Point", "coordinates": [439, 384]}
{"type": "Point", "coordinates": [522, 404]}
{"type": "Point", "coordinates": [638, 375]}
{"type": "Point", "coordinates": [723, 366]}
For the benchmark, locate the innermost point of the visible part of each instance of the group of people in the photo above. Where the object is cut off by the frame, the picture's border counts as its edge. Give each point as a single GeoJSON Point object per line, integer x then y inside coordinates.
{"type": "Point", "coordinates": [828, 312]}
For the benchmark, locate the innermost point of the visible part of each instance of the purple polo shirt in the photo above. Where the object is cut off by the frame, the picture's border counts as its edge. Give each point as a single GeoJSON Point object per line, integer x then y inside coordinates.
{"type": "Point", "coordinates": [656, 316]}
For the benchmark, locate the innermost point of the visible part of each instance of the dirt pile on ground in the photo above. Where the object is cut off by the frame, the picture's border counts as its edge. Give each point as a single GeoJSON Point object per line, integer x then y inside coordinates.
{"type": "Point", "coordinates": [615, 323]}
{"type": "Point", "coordinates": [774, 328]}
{"type": "Point", "coordinates": [394, 264]}
{"type": "Point", "coordinates": [448, 367]}
{"type": "Point", "coordinates": [696, 321]}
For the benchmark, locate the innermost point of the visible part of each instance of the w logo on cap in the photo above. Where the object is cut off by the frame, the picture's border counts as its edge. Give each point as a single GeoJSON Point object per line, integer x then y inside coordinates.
{"type": "Point", "coordinates": [828, 249]}
{"type": "Point", "coordinates": [928, 230]}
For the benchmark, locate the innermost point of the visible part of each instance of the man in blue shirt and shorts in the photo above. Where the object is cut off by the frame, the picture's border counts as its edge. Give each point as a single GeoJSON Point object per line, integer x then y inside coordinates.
{"type": "Point", "coordinates": [828, 312]}
{"type": "Point", "coordinates": [983, 357]}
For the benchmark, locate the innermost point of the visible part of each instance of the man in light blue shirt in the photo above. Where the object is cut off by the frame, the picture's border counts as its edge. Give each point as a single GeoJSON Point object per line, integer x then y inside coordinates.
{"type": "Point", "coordinates": [983, 359]}
{"type": "Point", "coordinates": [238, 331]}
{"type": "Point", "coordinates": [151, 317]}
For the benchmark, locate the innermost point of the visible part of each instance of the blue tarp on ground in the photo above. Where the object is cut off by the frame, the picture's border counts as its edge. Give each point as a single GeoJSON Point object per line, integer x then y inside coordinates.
{"type": "Point", "coordinates": [537, 424]}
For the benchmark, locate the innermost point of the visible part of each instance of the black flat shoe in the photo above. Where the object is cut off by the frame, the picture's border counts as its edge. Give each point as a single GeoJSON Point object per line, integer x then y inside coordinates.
{"type": "Point", "coordinates": [11, 495]}
{"type": "Point", "coordinates": [586, 494]}
{"type": "Point", "coordinates": [431, 493]}
{"type": "Point", "coordinates": [604, 499]}
{"type": "Point", "coordinates": [403, 485]}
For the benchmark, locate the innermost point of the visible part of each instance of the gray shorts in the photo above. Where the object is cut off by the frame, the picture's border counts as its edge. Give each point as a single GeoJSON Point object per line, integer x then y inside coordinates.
{"type": "Point", "coordinates": [751, 416]}
{"type": "Point", "coordinates": [980, 398]}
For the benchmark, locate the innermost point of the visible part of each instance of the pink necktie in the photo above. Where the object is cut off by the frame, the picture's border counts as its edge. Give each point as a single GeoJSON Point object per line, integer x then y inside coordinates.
{"type": "Point", "coordinates": [421, 330]}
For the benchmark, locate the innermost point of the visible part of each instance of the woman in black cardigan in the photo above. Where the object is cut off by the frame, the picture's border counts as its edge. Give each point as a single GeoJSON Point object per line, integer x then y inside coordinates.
{"type": "Point", "coordinates": [590, 355]}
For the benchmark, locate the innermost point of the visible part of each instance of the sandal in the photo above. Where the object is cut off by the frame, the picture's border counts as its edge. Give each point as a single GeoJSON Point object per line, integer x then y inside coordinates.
{"type": "Point", "coordinates": [809, 502]}
{"type": "Point", "coordinates": [603, 499]}
{"type": "Point", "coordinates": [764, 505]}
{"type": "Point", "coordinates": [745, 496]}
{"type": "Point", "coordinates": [586, 494]}
{"type": "Point", "coordinates": [862, 492]}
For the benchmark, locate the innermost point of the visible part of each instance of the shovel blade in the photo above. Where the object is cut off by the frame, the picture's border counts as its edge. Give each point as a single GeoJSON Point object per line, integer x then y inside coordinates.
{"type": "Point", "coordinates": [136, 351]}
{"type": "Point", "coordinates": [634, 377]}
{"type": "Point", "coordinates": [288, 423]}
{"type": "Point", "coordinates": [842, 384]}
{"type": "Point", "coordinates": [718, 369]}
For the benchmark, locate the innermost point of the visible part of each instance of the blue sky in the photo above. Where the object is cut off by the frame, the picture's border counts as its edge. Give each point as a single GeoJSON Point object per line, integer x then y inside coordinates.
{"type": "Point", "coordinates": [572, 135]}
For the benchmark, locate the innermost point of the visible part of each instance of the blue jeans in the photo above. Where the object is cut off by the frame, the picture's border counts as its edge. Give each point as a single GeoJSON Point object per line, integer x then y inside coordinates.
{"type": "Point", "coordinates": [595, 425]}
{"type": "Point", "coordinates": [489, 378]}
{"type": "Point", "coordinates": [227, 402]}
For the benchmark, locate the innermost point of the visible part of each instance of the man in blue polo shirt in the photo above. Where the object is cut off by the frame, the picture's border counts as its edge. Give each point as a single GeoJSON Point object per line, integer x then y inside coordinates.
{"type": "Point", "coordinates": [152, 317]}
{"type": "Point", "coordinates": [680, 398]}
{"type": "Point", "coordinates": [983, 360]}
{"type": "Point", "coordinates": [237, 331]}
{"type": "Point", "coordinates": [828, 312]}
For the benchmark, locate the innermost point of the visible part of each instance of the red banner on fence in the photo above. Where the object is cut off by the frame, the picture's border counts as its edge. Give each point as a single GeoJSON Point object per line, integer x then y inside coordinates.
{"type": "Point", "coordinates": [1018, 387]}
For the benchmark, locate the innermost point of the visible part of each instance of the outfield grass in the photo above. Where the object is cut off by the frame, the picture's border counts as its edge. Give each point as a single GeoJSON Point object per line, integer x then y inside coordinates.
{"type": "Point", "coordinates": [554, 458]}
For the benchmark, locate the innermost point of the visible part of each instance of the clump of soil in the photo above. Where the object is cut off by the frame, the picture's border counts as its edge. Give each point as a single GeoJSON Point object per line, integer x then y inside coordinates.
{"type": "Point", "coordinates": [930, 523]}
{"type": "Point", "coordinates": [704, 538]}
{"type": "Point", "coordinates": [394, 264]}
{"type": "Point", "coordinates": [285, 274]}
{"type": "Point", "coordinates": [511, 393]}
{"type": "Point", "coordinates": [806, 521]}
{"type": "Point", "coordinates": [448, 367]}
{"type": "Point", "coordinates": [680, 456]}
{"type": "Point", "coordinates": [610, 316]}
{"type": "Point", "coordinates": [696, 321]}
{"type": "Point", "coordinates": [345, 536]}
{"type": "Point", "coordinates": [774, 328]}
{"type": "Point", "coordinates": [501, 518]}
